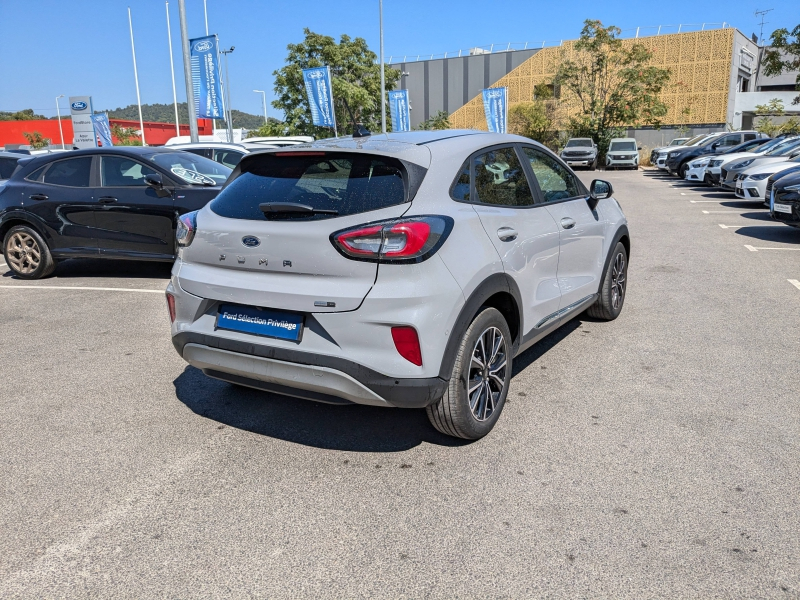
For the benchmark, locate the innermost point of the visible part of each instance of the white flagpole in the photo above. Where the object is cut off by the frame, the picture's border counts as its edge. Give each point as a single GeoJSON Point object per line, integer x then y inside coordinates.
{"type": "Point", "coordinates": [383, 81]}
{"type": "Point", "coordinates": [213, 121]}
{"type": "Point", "coordinates": [136, 77]}
{"type": "Point", "coordinates": [172, 68]}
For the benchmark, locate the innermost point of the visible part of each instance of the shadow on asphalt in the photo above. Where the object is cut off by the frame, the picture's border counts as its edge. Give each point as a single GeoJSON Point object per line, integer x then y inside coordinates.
{"type": "Point", "coordinates": [783, 235]}
{"type": "Point", "coordinates": [758, 216]}
{"type": "Point", "coordinates": [353, 428]}
{"type": "Point", "coordinates": [97, 267]}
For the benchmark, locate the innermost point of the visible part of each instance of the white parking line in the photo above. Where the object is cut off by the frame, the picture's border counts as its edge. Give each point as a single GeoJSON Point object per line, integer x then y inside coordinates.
{"type": "Point", "coordinates": [72, 287]}
{"type": "Point", "coordinates": [721, 212]}
{"type": "Point", "coordinates": [699, 201]}
{"type": "Point", "coordinates": [794, 282]}
{"type": "Point", "coordinates": [757, 248]}
{"type": "Point", "coordinates": [748, 225]}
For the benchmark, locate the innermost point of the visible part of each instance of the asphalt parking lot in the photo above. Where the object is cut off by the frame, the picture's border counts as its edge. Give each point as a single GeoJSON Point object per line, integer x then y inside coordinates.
{"type": "Point", "coordinates": [654, 456]}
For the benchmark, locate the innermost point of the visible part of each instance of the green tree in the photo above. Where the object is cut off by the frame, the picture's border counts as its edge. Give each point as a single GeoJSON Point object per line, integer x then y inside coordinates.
{"type": "Point", "coordinates": [35, 139]}
{"type": "Point", "coordinates": [613, 84]}
{"type": "Point", "coordinates": [765, 124]}
{"type": "Point", "coordinates": [26, 114]}
{"type": "Point", "coordinates": [125, 136]}
{"type": "Point", "coordinates": [273, 127]}
{"type": "Point", "coordinates": [784, 55]}
{"type": "Point", "coordinates": [441, 120]}
{"type": "Point", "coordinates": [536, 119]}
{"type": "Point", "coordinates": [355, 77]}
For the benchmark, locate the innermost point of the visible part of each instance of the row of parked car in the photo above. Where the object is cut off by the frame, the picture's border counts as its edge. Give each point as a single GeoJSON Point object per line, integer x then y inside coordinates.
{"type": "Point", "coordinates": [747, 164]}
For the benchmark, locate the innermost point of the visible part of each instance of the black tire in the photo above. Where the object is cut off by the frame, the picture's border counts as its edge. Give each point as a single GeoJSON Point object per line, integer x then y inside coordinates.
{"type": "Point", "coordinates": [594, 165]}
{"type": "Point", "coordinates": [682, 170]}
{"type": "Point", "coordinates": [22, 248]}
{"type": "Point", "coordinates": [454, 414]}
{"type": "Point", "coordinates": [612, 290]}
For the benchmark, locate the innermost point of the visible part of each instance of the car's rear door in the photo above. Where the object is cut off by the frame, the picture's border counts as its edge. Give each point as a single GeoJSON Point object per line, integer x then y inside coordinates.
{"type": "Point", "coordinates": [523, 232]}
{"type": "Point", "coordinates": [132, 220]}
{"type": "Point", "coordinates": [581, 230]}
{"type": "Point", "coordinates": [61, 197]}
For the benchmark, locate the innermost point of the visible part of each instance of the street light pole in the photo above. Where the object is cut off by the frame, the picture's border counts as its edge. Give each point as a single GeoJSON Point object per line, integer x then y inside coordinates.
{"type": "Point", "coordinates": [383, 81]}
{"type": "Point", "coordinates": [187, 73]}
{"type": "Point", "coordinates": [228, 90]}
{"type": "Point", "coordinates": [60, 129]}
{"type": "Point", "coordinates": [136, 77]}
{"type": "Point", "coordinates": [264, 102]}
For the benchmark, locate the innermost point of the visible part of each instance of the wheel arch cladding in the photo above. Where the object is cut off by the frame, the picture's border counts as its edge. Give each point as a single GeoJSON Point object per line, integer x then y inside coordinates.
{"type": "Point", "coordinates": [497, 291]}
{"type": "Point", "coordinates": [621, 236]}
{"type": "Point", "coordinates": [15, 220]}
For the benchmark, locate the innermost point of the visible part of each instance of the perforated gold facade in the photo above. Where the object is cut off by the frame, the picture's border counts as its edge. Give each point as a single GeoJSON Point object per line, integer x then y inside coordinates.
{"type": "Point", "coordinates": [697, 92]}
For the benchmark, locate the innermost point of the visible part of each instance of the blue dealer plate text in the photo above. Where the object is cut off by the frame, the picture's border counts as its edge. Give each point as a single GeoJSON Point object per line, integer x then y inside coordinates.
{"type": "Point", "coordinates": [260, 321]}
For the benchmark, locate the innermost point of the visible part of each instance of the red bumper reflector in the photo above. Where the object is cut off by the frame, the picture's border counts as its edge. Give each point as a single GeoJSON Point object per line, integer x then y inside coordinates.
{"type": "Point", "coordinates": [406, 341]}
{"type": "Point", "coordinates": [171, 307]}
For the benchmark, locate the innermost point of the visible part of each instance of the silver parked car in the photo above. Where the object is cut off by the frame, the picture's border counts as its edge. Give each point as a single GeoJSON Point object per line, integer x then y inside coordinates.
{"type": "Point", "coordinates": [402, 270]}
{"type": "Point", "coordinates": [580, 152]}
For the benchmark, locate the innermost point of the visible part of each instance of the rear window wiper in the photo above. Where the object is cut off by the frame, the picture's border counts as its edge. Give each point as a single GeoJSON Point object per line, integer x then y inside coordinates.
{"type": "Point", "coordinates": [269, 208]}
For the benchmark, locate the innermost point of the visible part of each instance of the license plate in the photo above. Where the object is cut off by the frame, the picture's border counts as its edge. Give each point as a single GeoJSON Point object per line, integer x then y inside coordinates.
{"type": "Point", "coordinates": [260, 321]}
{"type": "Point", "coordinates": [782, 208]}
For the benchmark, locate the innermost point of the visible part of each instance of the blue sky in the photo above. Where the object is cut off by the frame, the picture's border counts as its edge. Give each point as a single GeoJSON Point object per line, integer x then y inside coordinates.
{"type": "Point", "coordinates": [49, 47]}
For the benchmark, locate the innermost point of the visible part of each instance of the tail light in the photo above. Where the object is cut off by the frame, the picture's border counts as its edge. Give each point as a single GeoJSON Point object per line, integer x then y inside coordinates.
{"type": "Point", "coordinates": [409, 240]}
{"type": "Point", "coordinates": [186, 228]}
{"type": "Point", "coordinates": [406, 341]}
{"type": "Point", "coordinates": [171, 307]}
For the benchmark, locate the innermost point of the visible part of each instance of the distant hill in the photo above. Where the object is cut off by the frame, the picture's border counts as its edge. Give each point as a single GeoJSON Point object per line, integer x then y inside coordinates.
{"type": "Point", "coordinates": [165, 113]}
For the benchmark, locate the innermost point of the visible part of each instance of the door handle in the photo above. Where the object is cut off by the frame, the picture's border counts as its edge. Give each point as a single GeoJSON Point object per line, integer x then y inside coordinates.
{"type": "Point", "coordinates": [567, 223]}
{"type": "Point", "coordinates": [38, 197]}
{"type": "Point", "coordinates": [107, 200]}
{"type": "Point", "coordinates": [506, 234]}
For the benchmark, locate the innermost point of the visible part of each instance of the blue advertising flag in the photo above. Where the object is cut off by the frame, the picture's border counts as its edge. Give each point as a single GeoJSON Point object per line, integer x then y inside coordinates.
{"type": "Point", "coordinates": [102, 130]}
{"type": "Point", "coordinates": [398, 107]}
{"type": "Point", "coordinates": [320, 96]}
{"type": "Point", "coordinates": [496, 108]}
{"type": "Point", "coordinates": [205, 78]}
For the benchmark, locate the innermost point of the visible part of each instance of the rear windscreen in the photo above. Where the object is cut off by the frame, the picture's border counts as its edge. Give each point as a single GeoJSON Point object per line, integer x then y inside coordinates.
{"type": "Point", "coordinates": [341, 182]}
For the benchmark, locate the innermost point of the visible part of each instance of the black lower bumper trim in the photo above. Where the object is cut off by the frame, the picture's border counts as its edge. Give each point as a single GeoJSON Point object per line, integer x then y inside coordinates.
{"type": "Point", "coordinates": [402, 393]}
{"type": "Point", "coordinates": [275, 388]}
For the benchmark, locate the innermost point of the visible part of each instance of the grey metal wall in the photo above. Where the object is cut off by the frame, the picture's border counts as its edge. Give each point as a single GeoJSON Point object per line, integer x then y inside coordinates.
{"type": "Point", "coordinates": [449, 83]}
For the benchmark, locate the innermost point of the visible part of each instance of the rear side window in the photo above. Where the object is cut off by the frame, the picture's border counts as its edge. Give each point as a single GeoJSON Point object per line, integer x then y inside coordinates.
{"type": "Point", "coordinates": [73, 172]}
{"type": "Point", "coordinates": [500, 179]}
{"type": "Point", "coordinates": [229, 158]}
{"type": "Point", "coordinates": [119, 171]}
{"type": "Point", "coordinates": [346, 183]}
{"type": "Point", "coordinates": [7, 166]}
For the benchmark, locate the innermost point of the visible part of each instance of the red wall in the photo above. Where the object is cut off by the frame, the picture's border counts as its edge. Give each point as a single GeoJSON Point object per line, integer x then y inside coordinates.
{"type": "Point", "coordinates": [156, 134]}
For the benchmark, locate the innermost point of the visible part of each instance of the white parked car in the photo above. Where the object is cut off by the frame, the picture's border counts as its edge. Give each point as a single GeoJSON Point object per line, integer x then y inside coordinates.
{"type": "Point", "coordinates": [733, 167]}
{"type": "Point", "coordinates": [752, 183]}
{"type": "Point", "coordinates": [223, 153]}
{"type": "Point", "coordinates": [280, 142]}
{"type": "Point", "coordinates": [405, 272]}
{"type": "Point", "coordinates": [623, 153]}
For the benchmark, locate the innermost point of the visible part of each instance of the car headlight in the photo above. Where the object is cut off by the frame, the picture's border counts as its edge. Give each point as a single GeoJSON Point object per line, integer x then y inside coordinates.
{"type": "Point", "coordinates": [715, 163]}
{"type": "Point", "coordinates": [696, 164]}
{"type": "Point", "coordinates": [792, 188]}
{"type": "Point", "coordinates": [743, 164]}
{"type": "Point", "coordinates": [759, 176]}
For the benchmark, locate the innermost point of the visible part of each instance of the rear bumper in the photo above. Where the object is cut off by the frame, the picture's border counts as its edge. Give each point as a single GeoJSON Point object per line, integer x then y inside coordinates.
{"type": "Point", "coordinates": [301, 374]}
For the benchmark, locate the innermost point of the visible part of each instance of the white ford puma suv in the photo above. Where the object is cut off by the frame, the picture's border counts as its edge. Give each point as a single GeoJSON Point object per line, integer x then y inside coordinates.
{"type": "Point", "coordinates": [400, 270]}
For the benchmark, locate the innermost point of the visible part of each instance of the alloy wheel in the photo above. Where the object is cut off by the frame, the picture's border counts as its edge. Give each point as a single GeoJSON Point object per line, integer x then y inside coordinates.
{"type": "Point", "coordinates": [487, 373]}
{"type": "Point", "coordinates": [618, 281]}
{"type": "Point", "coordinates": [23, 253]}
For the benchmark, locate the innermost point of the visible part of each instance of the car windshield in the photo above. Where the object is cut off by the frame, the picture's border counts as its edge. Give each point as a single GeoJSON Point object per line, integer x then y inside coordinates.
{"type": "Point", "coordinates": [709, 140]}
{"type": "Point", "coordinates": [579, 143]}
{"type": "Point", "coordinates": [678, 141]}
{"type": "Point", "coordinates": [622, 146]}
{"type": "Point", "coordinates": [694, 140]}
{"type": "Point", "coordinates": [784, 149]}
{"type": "Point", "coordinates": [191, 168]}
{"type": "Point", "coordinates": [768, 145]}
{"type": "Point", "coordinates": [344, 183]}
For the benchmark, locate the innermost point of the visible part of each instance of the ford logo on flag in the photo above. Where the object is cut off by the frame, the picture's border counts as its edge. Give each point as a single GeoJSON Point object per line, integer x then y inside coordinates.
{"type": "Point", "coordinates": [203, 46]}
{"type": "Point", "coordinates": [251, 241]}
{"type": "Point", "coordinates": [79, 106]}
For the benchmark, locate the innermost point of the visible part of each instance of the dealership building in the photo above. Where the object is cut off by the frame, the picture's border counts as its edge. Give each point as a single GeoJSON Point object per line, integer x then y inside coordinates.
{"type": "Point", "coordinates": [717, 82]}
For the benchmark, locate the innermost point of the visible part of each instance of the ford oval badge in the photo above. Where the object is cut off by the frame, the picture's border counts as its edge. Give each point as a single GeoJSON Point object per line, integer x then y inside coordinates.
{"type": "Point", "coordinates": [251, 241]}
{"type": "Point", "coordinates": [79, 106]}
{"type": "Point", "coordinates": [203, 46]}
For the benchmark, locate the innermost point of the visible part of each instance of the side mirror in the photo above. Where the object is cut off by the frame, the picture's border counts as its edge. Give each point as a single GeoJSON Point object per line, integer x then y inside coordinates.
{"type": "Point", "coordinates": [715, 145]}
{"type": "Point", "coordinates": [155, 181]}
{"type": "Point", "coordinates": [638, 147]}
{"type": "Point", "coordinates": [598, 191]}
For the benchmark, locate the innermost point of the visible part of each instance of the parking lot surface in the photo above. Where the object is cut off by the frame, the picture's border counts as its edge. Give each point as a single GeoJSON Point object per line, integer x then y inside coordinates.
{"type": "Point", "coordinates": [657, 455]}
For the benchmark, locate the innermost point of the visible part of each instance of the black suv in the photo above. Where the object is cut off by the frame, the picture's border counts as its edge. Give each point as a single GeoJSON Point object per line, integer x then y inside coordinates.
{"type": "Point", "coordinates": [101, 203]}
{"type": "Point", "coordinates": [678, 160]}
